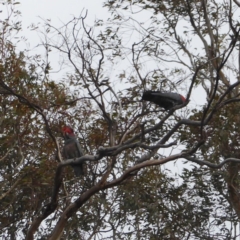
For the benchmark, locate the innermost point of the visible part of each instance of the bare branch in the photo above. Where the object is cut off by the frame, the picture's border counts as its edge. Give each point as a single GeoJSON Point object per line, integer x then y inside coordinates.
{"type": "Point", "coordinates": [212, 165]}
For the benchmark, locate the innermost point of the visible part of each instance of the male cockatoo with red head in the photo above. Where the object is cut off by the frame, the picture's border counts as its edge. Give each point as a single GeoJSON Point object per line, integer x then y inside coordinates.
{"type": "Point", "coordinates": [166, 100]}
{"type": "Point", "coordinates": [72, 149]}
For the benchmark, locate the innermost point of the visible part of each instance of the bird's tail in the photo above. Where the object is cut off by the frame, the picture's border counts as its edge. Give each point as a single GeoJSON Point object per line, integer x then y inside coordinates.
{"type": "Point", "coordinates": [78, 170]}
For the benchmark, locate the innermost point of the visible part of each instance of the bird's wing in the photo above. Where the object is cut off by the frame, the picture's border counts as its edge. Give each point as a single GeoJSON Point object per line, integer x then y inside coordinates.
{"type": "Point", "coordinates": [79, 148]}
{"type": "Point", "coordinates": [169, 95]}
{"type": "Point", "coordinates": [160, 94]}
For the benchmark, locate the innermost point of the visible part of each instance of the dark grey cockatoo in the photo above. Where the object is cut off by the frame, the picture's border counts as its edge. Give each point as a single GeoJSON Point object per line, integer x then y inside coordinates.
{"type": "Point", "coordinates": [72, 149]}
{"type": "Point", "coordinates": [166, 100]}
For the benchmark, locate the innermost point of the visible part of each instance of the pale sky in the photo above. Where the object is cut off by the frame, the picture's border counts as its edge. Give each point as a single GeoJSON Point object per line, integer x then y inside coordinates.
{"type": "Point", "coordinates": [59, 11]}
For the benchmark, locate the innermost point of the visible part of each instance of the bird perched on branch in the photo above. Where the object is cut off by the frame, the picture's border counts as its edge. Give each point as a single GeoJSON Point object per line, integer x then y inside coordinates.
{"type": "Point", "coordinates": [72, 149]}
{"type": "Point", "coordinates": [166, 100]}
